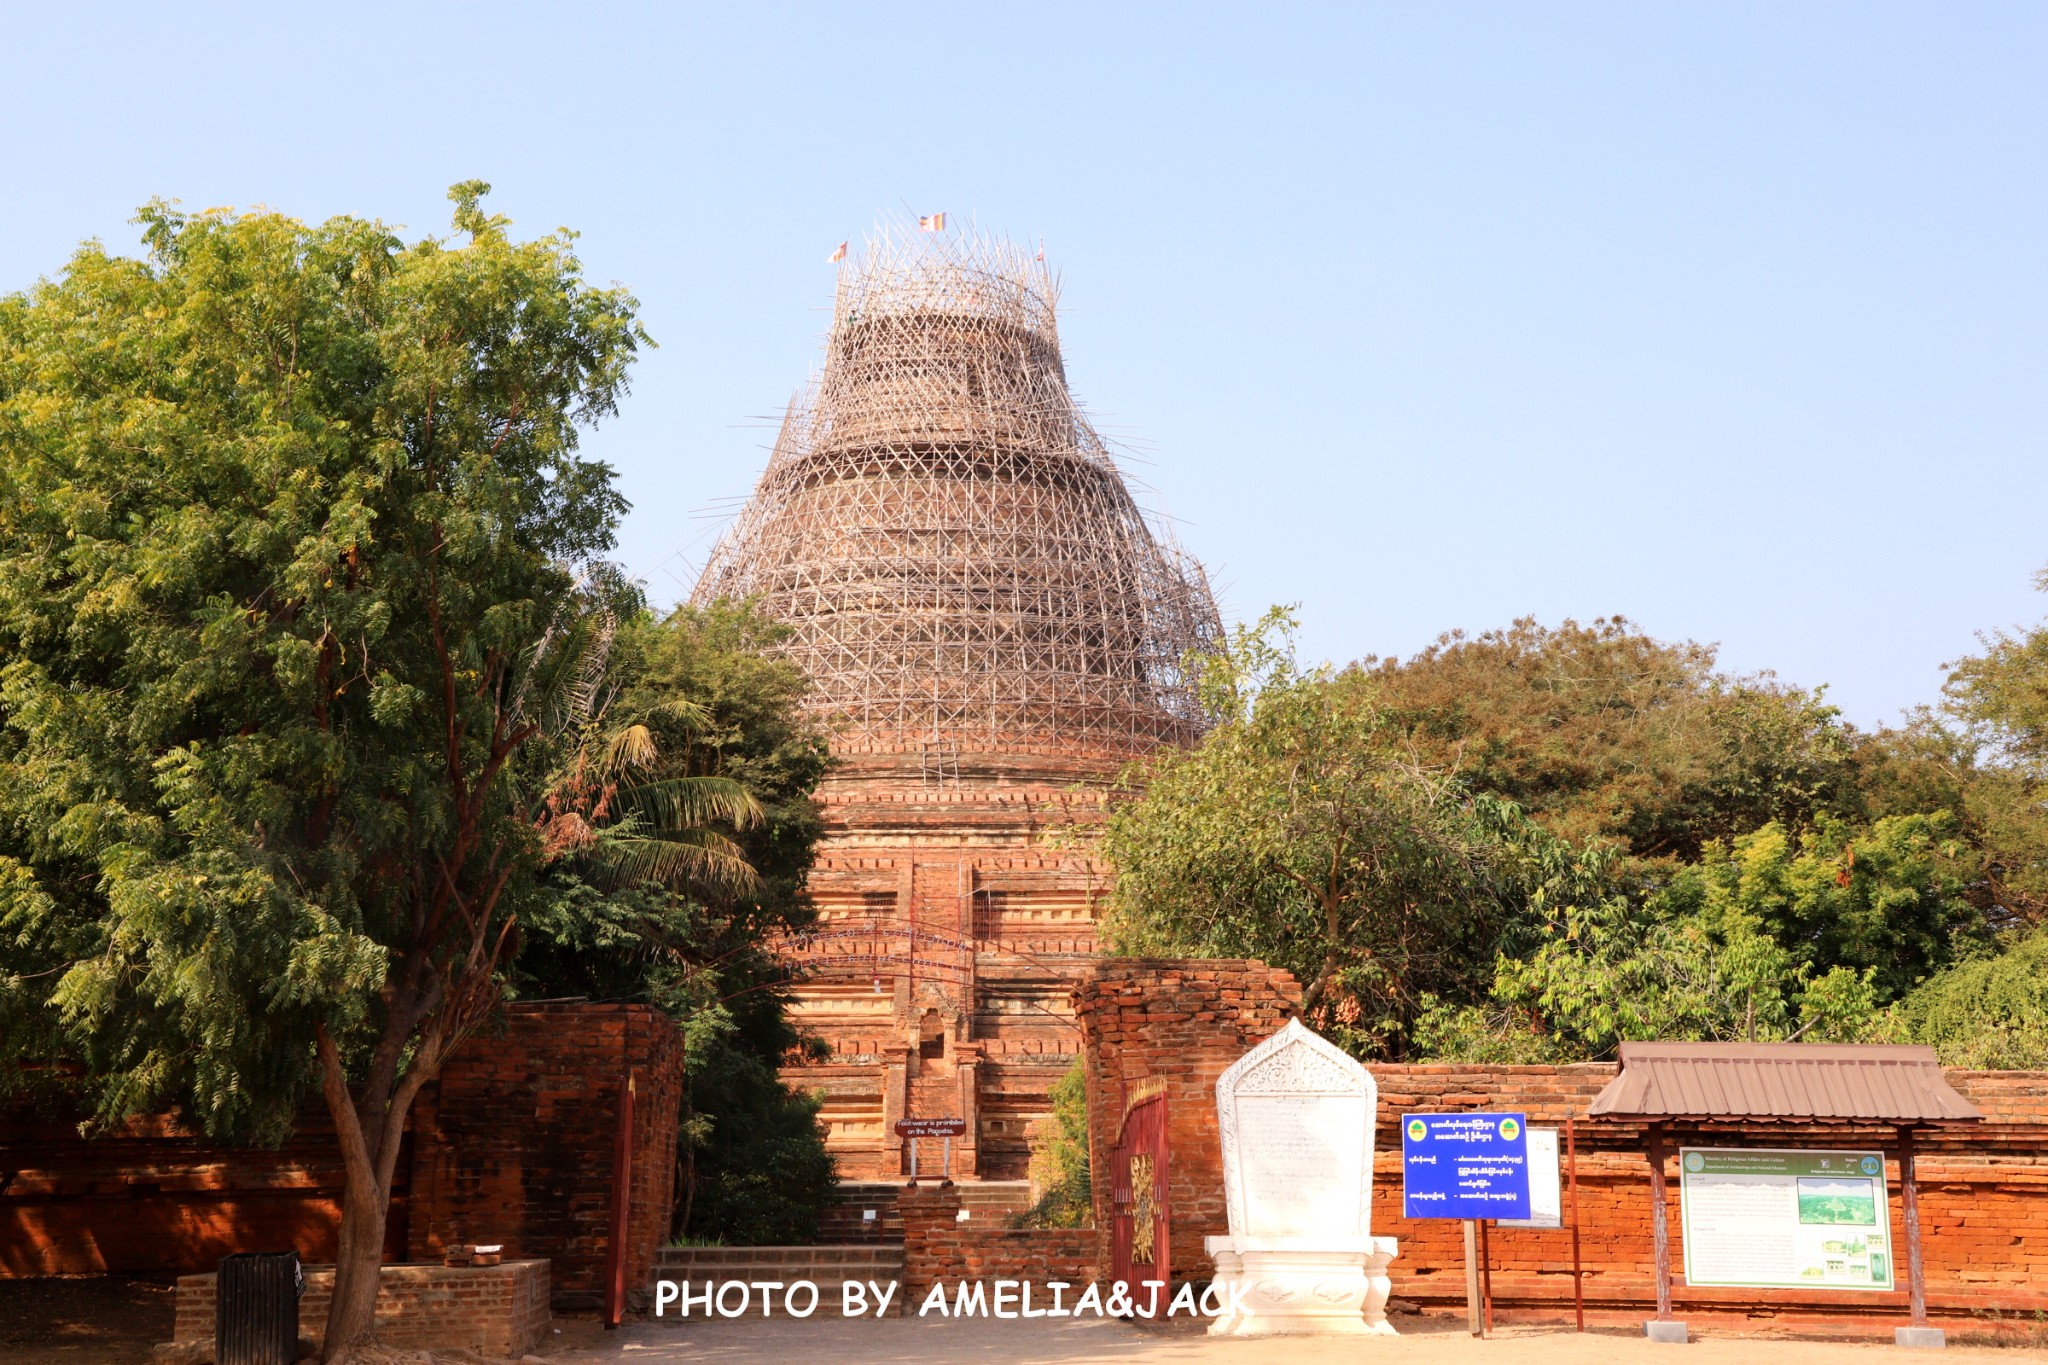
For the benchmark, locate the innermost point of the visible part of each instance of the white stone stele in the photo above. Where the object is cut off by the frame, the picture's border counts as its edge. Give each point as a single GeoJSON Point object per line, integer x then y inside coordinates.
{"type": "Point", "coordinates": [1296, 1118]}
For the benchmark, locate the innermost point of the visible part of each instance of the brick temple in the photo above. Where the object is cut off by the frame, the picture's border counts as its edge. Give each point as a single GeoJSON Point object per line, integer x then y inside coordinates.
{"type": "Point", "coordinates": [993, 628]}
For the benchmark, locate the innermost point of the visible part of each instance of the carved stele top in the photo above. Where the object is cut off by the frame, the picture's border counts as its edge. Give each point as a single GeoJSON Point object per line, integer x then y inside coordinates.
{"type": "Point", "coordinates": [1296, 1118]}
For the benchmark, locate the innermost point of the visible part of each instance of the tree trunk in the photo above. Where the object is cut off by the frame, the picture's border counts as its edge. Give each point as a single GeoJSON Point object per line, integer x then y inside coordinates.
{"type": "Point", "coordinates": [358, 1268]}
{"type": "Point", "coordinates": [370, 1133]}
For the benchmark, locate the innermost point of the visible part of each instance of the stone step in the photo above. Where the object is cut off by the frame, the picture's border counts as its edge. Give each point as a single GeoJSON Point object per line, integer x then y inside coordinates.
{"type": "Point", "coordinates": [709, 1260]}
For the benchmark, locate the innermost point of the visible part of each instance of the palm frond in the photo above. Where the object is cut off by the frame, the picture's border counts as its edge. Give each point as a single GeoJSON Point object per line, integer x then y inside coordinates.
{"type": "Point", "coordinates": [690, 857]}
{"type": "Point", "coordinates": [629, 747]}
{"type": "Point", "coordinates": [681, 803]}
{"type": "Point", "coordinates": [692, 715]}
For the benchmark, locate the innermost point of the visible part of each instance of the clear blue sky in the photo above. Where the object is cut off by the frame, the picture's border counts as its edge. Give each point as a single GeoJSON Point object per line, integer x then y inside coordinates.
{"type": "Point", "coordinates": [1731, 318]}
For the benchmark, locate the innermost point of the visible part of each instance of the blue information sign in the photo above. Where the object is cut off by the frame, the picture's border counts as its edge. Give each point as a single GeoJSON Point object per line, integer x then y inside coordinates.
{"type": "Point", "coordinates": [1465, 1166]}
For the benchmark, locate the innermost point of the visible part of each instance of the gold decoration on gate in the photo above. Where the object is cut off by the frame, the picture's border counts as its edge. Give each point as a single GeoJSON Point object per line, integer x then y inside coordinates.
{"type": "Point", "coordinates": [1144, 1209]}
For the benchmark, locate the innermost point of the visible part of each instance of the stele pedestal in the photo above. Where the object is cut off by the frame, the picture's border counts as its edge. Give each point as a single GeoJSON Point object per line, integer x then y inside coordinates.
{"type": "Point", "coordinates": [1296, 1116]}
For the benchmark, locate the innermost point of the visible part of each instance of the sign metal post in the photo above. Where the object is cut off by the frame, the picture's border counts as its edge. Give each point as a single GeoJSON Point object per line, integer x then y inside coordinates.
{"type": "Point", "coordinates": [1472, 1278]}
{"type": "Point", "coordinates": [1473, 1167]}
{"type": "Point", "coordinates": [946, 1129]}
{"type": "Point", "coordinates": [1485, 1276]}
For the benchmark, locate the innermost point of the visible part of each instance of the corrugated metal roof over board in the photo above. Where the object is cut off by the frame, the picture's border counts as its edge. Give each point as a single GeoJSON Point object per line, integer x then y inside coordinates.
{"type": "Point", "coordinates": [1783, 1081]}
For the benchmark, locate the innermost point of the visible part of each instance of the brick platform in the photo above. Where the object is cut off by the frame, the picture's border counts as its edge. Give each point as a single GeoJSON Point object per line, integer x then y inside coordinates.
{"type": "Point", "coordinates": [499, 1310]}
{"type": "Point", "coordinates": [938, 1247]}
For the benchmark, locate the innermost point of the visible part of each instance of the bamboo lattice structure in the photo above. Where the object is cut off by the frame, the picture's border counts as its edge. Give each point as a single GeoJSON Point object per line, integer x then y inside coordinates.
{"type": "Point", "coordinates": [960, 561]}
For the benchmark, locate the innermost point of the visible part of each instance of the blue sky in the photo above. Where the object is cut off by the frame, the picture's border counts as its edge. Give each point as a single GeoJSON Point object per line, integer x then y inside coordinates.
{"type": "Point", "coordinates": [1730, 318]}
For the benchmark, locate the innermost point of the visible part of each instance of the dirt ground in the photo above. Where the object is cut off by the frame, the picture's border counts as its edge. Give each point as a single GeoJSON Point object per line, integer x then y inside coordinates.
{"type": "Point", "coordinates": [1090, 1342]}
{"type": "Point", "coordinates": [117, 1319]}
{"type": "Point", "coordinates": [984, 1341]}
{"type": "Point", "coordinates": [105, 1320]}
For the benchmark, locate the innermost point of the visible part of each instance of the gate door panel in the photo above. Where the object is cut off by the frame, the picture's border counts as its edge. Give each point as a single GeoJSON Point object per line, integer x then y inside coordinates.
{"type": "Point", "coordinates": [1142, 1234]}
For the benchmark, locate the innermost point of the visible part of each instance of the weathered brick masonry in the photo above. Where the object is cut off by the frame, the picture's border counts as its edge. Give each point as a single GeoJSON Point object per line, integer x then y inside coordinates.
{"type": "Point", "coordinates": [512, 1144]}
{"type": "Point", "coordinates": [1177, 1023]}
{"type": "Point", "coordinates": [153, 1195]}
{"type": "Point", "coordinates": [497, 1310]}
{"type": "Point", "coordinates": [1983, 1189]}
{"type": "Point", "coordinates": [939, 1248]}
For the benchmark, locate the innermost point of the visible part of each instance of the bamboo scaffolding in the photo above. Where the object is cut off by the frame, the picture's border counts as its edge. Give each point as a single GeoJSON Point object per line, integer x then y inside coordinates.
{"type": "Point", "coordinates": [960, 561]}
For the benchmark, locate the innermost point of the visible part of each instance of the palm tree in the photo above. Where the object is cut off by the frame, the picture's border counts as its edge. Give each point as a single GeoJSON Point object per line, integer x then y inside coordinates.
{"type": "Point", "coordinates": [606, 812]}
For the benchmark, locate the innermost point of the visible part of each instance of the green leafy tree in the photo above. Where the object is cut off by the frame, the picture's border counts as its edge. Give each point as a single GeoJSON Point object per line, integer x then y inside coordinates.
{"type": "Point", "coordinates": [291, 520]}
{"type": "Point", "coordinates": [1888, 899]}
{"type": "Point", "coordinates": [1602, 732]}
{"type": "Point", "coordinates": [1988, 1013]}
{"type": "Point", "coordinates": [1770, 938]}
{"type": "Point", "coordinates": [1998, 703]}
{"type": "Point", "coordinates": [1298, 831]}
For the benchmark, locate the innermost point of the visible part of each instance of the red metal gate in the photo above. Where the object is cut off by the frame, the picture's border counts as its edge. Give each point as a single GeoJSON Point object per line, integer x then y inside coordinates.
{"type": "Point", "coordinates": [1141, 1237]}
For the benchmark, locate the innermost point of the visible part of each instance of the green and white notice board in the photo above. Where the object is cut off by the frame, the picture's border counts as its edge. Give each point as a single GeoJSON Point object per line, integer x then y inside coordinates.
{"type": "Point", "coordinates": [1765, 1219]}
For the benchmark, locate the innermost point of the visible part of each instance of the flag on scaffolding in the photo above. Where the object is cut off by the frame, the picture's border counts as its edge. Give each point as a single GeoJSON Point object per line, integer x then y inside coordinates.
{"type": "Point", "coordinates": [838, 254]}
{"type": "Point", "coordinates": [932, 222]}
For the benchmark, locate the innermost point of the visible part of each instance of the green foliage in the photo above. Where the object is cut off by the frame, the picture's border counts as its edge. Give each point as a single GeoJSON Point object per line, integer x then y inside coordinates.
{"type": "Point", "coordinates": [1703, 857]}
{"type": "Point", "coordinates": [1988, 1013]}
{"type": "Point", "coordinates": [1059, 1159]}
{"type": "Point", "coordinates": [1998, 700]}
{"type": "Point", "coordinates": [708, 704]}
{"type": "Point", "coordinates": [1769, 938]}
{"type": "Point", "coordinates": [1601, 732]}
{"type": "Point", "coordinates": [286, 513]}
{"type": "Point", "coordinates": [756, 1171]}
{"type": "Point", "coordinates": [1887, 900]}
{"type": "Point", "coordinates": [1300, 831]}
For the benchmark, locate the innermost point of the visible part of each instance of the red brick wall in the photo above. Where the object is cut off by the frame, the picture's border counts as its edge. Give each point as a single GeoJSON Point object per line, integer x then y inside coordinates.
{"type": "Point", "coordinates": [154, 1195]}
{"type": "Point", "coordinates": [497, 1310]}
{"type": "Point", "coordinates": [512, 1144]}
{"type": "Point", "coordinates": [938, 1247]}
{"type": "Point", "coordinates": [1178, 1023]}
{"type": "Point", "coordinates": [1983, 1189]}
{"type": "Point", "coordinates": [515, 1142]}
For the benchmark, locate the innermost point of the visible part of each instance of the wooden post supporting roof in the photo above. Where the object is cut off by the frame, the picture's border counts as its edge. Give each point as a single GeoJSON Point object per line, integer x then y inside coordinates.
{"type": "Point", "coordinates": [1660, 1221]}
{"type": "Point", "coordinates": [1699, 1085]}
{"type": "Point", "coordinates": [1909, 1196]}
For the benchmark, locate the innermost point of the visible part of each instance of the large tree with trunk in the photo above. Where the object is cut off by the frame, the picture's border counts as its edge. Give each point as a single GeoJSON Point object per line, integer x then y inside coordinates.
{"type": "Point", "coordinates": [295, 547]}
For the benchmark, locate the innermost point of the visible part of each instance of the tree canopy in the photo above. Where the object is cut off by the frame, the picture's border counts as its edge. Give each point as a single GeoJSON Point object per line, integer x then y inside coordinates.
{"type": "Point", "coordinates": [1602, 732]}
{"type": "Point", "coordinates": [1538, 843]}
{"type": "Point", "coordinates": [295, 543]}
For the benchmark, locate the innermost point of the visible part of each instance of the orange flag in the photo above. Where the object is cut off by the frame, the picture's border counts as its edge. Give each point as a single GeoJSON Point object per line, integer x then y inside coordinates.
{"type": "Point", "coordinates": [935, 222]}
{"type": "Point", "coordinates": [838, 254]}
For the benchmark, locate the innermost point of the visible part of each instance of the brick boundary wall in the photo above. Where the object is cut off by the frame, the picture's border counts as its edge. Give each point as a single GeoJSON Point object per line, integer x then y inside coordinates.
{"type": "Point", "coordinates": [1180, 1022]}
{"type": "Point", "coordinates": [499, 1310]}
{"type": "Point", "coordinates": [512, 1143]}
{"type": "Point", "coordinates": [938, 1247]}
{"type": "Point", "coordinates": [515, 1145]}
{"type": "Point", "coordinates": [1177, 1023]}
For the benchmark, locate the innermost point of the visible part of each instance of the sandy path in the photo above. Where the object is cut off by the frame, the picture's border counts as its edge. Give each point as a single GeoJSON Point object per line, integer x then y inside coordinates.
{"type": "Point", "coordinates": [1090, 1342]}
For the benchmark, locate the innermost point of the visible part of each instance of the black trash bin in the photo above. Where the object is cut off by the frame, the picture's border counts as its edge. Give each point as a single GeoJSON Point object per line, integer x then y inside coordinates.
{"type": "Point", "coordinates": [256, 1308]}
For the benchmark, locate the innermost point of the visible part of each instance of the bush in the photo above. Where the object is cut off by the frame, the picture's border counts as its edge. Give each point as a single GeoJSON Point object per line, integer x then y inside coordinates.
{"type": "Point", "coordinates": [1059, 1160]}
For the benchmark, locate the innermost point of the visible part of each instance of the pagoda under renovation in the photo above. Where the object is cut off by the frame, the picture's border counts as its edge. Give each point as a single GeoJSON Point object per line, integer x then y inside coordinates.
{"type": "Point", "coordinates": [992, 628]}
